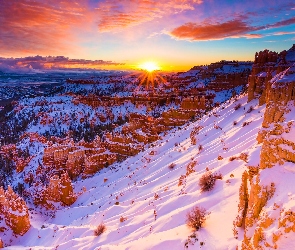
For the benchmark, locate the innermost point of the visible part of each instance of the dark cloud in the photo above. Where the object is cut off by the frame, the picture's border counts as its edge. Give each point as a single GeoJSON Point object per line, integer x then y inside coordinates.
{"type": "Point", "coordinates": [50, 63]}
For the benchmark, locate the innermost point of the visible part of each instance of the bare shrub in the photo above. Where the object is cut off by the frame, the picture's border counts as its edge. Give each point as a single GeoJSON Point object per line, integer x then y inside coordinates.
{"type": "Point", "coordinates": [172, 165]}
{"type": "Point", "coordinates": [207, 181]}
{"type": "Point", "coordinates": [181, 180]}
{"type": "Point", "coordinates": [245, 124]}
{"type": "Point", "coordinates": [237, 106]}
{"type": "Point", "coordinates": [156, 196]}
{"type": "Point", "coordinates": [219, 157]}
{"type": "Point", "coordinates": [200, 147]}
{"type": "Point", "coordinates": [244, 157]}
{"type": "Point", "coordinates": [218, 176]}
{"type": "Point", "coordinates": [191, 240]}
{"type": "Point", "coordinates": [190, 168]}
{"type": "Point", "coordinates": [196, 217]}
{"type": "Point", "coordinates": [217, 127]}
{"type": "Point", "coordinates": [122, 219]}
{"type": "Point", "coordinates": [232, 158]}
{"type": "Point", "coordinates": [193, 140]}
{"type": "Point", "coordinates": [101, 228]}
{"type": "Point", "coordinates": [250, 109]}
{"type": "Point", "coordinates": [193, 134]}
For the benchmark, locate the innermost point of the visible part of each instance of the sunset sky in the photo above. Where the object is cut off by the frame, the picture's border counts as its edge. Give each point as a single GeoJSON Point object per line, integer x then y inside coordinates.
{"type": "Point", "coordinates": [112, 34]}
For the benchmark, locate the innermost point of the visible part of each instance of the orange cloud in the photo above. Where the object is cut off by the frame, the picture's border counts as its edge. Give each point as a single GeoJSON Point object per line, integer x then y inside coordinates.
{"type": "Point", "coordinates": [114, 15]}
{"type": "Point", "coordinates": [217, 31]}
{"type": "Point", "coordinates": [35, 26]}
{"type": "Point", "coordinates": [284, 33]}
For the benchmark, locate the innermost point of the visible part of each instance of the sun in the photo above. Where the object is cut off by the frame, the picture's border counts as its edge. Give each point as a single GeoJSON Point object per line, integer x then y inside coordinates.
{"type": "Point", "coordinates": [149, 66]}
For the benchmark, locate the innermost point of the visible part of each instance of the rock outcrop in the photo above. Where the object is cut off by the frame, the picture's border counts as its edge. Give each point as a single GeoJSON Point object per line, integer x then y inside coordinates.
{"type": "Point", "coordinates": [78, 159]}
{"type": "Point", "coordinates": [15, 211]}
{"type": "Point", "coordinates": [265, 221]}
{"type": "Point", "coordinates": [59, 190]}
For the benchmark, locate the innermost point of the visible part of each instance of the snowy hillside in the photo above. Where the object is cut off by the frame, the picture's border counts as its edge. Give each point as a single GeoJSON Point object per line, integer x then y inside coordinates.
{"type": "Point", "coordinates": [152, 199]}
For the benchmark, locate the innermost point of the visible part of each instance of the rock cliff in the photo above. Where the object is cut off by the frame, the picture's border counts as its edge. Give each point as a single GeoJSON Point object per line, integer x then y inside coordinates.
{"type": "Point", "coordinates": [265, 209]}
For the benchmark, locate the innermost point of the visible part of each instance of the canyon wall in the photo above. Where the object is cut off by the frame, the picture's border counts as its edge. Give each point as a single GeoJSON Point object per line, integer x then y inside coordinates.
{"type": "Point", "coordinates": [265, 210]}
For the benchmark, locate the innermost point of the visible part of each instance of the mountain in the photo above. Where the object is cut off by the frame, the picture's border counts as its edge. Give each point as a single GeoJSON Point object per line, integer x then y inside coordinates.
{"type": "Point", "coordinates": [139, 181]}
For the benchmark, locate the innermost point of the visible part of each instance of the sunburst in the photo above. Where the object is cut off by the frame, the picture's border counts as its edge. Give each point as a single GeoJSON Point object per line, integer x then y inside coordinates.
{"type": "Point", "coordinates": [149, 66]}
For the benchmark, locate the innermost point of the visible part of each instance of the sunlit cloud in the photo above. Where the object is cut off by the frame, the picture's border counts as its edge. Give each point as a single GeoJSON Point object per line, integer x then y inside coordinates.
{"type": "Point", "coordinates": [236, 28]}
{"type": "Point", "coordinates": [51, 63]}
{"type": "Point", "coordinates": [283, 33]}
{"type": "Point", "coordinates": [134, 29]}
{"type": "Point", "coordinates": [214, 31]}
{"type": "Point", "coordinates": [252, 36]}
{"type": "Point", "coordinates": [287, 22]}
{"type": "Point", "coordinates": [30, 26]}
{"type": "Point", "coordinates": [114, 15]}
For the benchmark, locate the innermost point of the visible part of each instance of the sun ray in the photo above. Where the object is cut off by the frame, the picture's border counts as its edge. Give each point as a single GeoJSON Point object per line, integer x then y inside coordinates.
{"type": "Point", "coordinates": [149, 66]}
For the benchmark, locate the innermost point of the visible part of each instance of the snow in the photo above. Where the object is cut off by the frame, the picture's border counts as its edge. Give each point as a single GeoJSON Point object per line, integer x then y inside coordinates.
{"type": "Point", "coordinates": [290, 56]}
{"type": "Point", "coordinates": [144, 185]}
{"type": "Point", "coordinates": [234, 68]}
{"type": "Point", "coordinates": [285, 76]}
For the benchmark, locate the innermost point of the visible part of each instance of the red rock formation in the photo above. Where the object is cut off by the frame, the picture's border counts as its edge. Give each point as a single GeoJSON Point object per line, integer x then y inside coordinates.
{"type": "Point", "coordinates": [75, 163]}
{"type": "Point", "coordinates": [278, 149]}
{"type": "Point", "coordinates": [267, 64]}
{"type": "Point", "coordinates": [11, 152]}
{"type": "Point", "coordinates": [15, 211]}
{"type": "Point", "coordinates": [59, 190]}
{"type": "Point", "coordinates": [94, 163]}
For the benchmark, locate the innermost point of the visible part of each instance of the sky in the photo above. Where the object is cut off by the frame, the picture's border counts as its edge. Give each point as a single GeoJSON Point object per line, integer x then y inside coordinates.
{"type": "Point", "coordinates": [112, 34]}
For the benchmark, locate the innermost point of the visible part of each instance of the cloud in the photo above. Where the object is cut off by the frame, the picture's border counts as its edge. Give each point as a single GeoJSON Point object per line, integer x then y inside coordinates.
{"type": "Point", "coordinates": [32, 63]}
{"type": "Point", "coordinates": [115, 15]}
{"type": "Point", "coordinates": [216, 31]}
{"type": "Point", "coordinates": [55, 26]}
{"type": "Point", "coordinates": [44, 26]}
{"type": "Point", "coordinates": [235, 28]}
{"type": "Point", "coordinates": [287, 22]}
{"type": "Point", "coordinates": [283, 33]}
{"type": "Point", "coordinates": [251, 36]}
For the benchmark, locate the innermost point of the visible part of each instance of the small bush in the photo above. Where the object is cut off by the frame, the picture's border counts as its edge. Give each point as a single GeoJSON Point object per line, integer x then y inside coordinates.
{"type": "Point", "coordinates": [244, 157]}
{"type": "Point", "coordinates": [193, 140]}
{"type": "Point", "coordinates": [218, 176]}
{"type": "Point", "coordinates": [245, 123]}
{"type": "Point", "coordinates": [232, 158]}
{"type": "Point", "coordinates": [200, 147]}
{"type": "Point", "coordinates": [237, 106]}
{"type": "Point", "coordinates": [219, 157]}
{"type": "Point", "coordinates": [207, 181]}
{"type": "Point", "coordinates": [250, 109]}
{"type": "Point", "coordinates": [172, 165]}
{"type": "Point", "coordinates": [122, 219]}
{"type": "Point", "coordinates": [101, 228]}
{"type": "Point", "coordinates": [235, 123]}
{"type": "Point", "coordinates": [196, 217]}
{"type": "Point", "coordinates": [190, 168]}
{"type": "Point", "coordinates": [181, 180]}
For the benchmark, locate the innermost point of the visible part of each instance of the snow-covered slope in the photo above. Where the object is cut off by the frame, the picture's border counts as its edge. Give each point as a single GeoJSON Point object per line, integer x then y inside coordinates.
{"type": "Point", "coordinates": [153, 198]}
